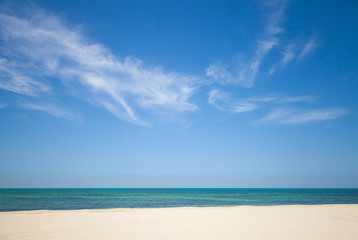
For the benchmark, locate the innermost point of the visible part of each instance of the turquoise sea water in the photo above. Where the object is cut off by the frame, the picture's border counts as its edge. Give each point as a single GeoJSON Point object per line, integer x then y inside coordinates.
{"type": "Point", "coordinates": [34, 199]}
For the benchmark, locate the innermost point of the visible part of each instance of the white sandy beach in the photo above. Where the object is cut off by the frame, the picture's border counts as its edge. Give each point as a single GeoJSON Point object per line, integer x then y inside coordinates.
{"type": "Point", "coordinates": [243, 222]}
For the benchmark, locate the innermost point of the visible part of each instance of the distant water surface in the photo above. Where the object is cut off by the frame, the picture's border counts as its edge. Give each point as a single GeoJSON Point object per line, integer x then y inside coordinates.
{"type": "Point", "coordinates": [60, 199]}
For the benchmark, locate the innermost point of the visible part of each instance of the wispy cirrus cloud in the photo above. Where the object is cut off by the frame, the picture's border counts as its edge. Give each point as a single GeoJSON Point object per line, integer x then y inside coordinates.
{"type": "Point", "coordinates": [41, 47]}
{"type": "Point", "coordinates": [274, 16]}
{"type": "Point", "coordinates": [223, 101]}
{"type": "Point", "coordinates": [51, 109]}
{"type": "Point", "coordinates": [38, 50]}
{"type": "Point", "coordinates": [293, 116]}
{"type": "Point", "coordinates": [305, 98]}
{"type": "Point", "coordinates": [14, 81]}
{"type": "Point", "coordinates": [287, 56]}
{"type": "Point", "coordinates": [308, 47]}
{"type": "Point", "coordinates": [245, 74]}
{"type": "Point", "coordinates": [294, 51]}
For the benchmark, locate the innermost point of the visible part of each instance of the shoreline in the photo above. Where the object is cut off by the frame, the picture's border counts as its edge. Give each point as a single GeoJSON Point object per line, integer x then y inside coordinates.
{"type": "Point", "coordinates": [180, 207]}
{"type": "Point", "coordinates": [326, 221]}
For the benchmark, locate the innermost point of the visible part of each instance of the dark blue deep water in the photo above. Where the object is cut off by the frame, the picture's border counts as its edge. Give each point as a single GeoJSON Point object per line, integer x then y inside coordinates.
{"type": "Point", "coordinates": [34, 199]}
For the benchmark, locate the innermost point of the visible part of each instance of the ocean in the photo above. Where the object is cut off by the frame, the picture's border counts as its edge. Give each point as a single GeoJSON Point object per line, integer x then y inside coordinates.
{"type": "Point", "coordinates": [64, 199]}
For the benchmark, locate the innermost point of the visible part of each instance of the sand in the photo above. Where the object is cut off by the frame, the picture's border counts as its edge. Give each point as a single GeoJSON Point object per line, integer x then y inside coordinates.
{"type": "Point", "coordinates": [243, 222]}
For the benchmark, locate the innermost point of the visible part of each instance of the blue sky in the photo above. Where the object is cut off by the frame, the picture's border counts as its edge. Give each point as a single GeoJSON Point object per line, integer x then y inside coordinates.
{"type": "Point", "coordinates": [178, 94]}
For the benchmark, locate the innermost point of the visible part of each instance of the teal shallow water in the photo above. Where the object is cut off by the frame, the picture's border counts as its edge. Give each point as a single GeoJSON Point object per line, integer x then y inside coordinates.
{"type": "Point", "coordinates": [35, 199]}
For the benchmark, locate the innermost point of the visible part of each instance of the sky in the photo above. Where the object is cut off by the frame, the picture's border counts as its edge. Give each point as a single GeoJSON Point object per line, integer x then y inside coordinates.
{"type": "Point", "coordinates": [236, 94]}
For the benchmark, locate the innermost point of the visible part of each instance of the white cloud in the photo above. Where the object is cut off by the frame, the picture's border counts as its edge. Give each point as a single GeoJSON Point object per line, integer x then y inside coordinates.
{"type": "Point", "coordinates": [274, 116]}
{"type": "Point", "coordinates": [291, 116]}
{"type": "Point", "coordinates": [219, 73]}
{"type": "Point", "coordinates": [308, 47]}
{"type": "Point", "coordinates": [245, 74]}
{"type": "Point", "coordinates": [274, 19]}
{"type": "Point", "coordinates": [50, 109]}
{"type": "Point", "coordinates": [40, 47]}
{"type": "Point", "coordinates": [224, 102]}
{"type": "Point", "coordinates": [38, 50]}
{"type": "Point", "coordinates": [287, 56]}
{"type": "Point", "coordinates": [12, 80]}
{"type": "Point", "coordinates": [316, 115]}
{"type": "Point", "coordinates": [294, 51]}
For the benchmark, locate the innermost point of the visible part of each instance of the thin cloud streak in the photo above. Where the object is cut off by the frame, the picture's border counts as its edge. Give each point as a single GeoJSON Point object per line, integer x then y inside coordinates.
{"type": "Point", "coordinates": [42, 47]}
{"type": "Point", "coordinates": [12, 80]}
{"type": "Point", "coordinates": [294, 51]}
{"type": "Point", "coordinates": [292, 116]}
{"type": "Point", "coordinates": [287, 56]}
{"type": "Point", "coordinates": [308, 47]}
{"type": "Point", "coordinates": [50, 109]}
{"type": "Point", "coordinates": [274, 19]}
{"type": "Point", "coordinates": [223, 101]}
{"type": "Point", "coordinates": [245, 74]}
